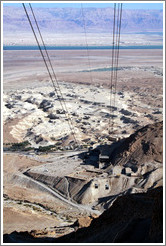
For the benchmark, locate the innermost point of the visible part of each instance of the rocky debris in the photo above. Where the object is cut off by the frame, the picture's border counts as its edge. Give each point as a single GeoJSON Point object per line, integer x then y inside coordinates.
{"type": "Point", "coordinates": [157, 112]}
{"type": "Point", "coordinates": [71, 95]}
{"type": "Point", "coordinates": [45, 105]}
{"type": "Point", "coordinates": [145, 145]}
{"type": "Point", "coordinates": [112, 107]}
{"type": "Point", "coordinates": [16, 97]}
{"type": "Point", "coordinates": [85, 123]}
{"type": "Point", "coordinates": [31, 100]}
{"type": "Point", "coordinates": [74, 114]}
{"type": "Point", "coordinates": [151, 117]}
{"type": "Point", "coordinates": [133, 218]}
{"type": "Point", "coordinates": [86, 117]}
{"type": "Point", "coordinates": [60, 111]}
{"type": "Point", "coordinates": [9, 105]}
{"type": "Point", "coordinates": [52, 232]}
{"type": "Point", "coordinates": [128, 120]}
{"type": "Point", "coordinates": [83, 222]}
{"type": "Point", "coordinates": [53, 116]}
{"type": "Point", "coordinates": [38, 139]}
{"type": "Point", "coordinates": [87, 120]}
{"type": "Point", "coordinates": [78, 120]}
{"type": "Point", "coordinates": [120, 93]}
{"type": "Point", "coordinates": [86, 140]}
{"type": "Point", "coordinates": [51, 94]}
{"type": "Point", "coordinates": [125, 112]}
{"type": "Point", "coordinates": [29, 132]}
{"type": "Point", "coordinates": [85, 101]}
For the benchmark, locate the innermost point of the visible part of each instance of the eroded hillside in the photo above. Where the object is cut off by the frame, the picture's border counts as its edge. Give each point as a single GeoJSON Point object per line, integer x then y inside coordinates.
{"type": "Point", "coordinates": [86, 189]}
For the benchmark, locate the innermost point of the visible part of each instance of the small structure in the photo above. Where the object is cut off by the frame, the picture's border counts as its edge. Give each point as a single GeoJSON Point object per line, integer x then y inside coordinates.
{"type": "Point", "coordinates": [113, 139]}
{"type": "Point", "coordinates": [104, 157]}
{"type": "Point", "coordinates": [117, 170]}
{"type": "Point", "coordinates": [103, 161]}
{"type": "Point", "coordinates": [128, 171]}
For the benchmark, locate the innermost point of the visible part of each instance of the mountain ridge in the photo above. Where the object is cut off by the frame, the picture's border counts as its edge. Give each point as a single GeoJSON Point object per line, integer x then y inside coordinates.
{"type": "Point", "coordinates": [72, 20]}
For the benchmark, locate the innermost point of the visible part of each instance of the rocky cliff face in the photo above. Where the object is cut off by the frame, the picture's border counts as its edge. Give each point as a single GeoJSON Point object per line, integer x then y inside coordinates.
{"type": "Point", "coordinates": [133, 218]}
{"type": "Point", "coordinates": [144, 145]}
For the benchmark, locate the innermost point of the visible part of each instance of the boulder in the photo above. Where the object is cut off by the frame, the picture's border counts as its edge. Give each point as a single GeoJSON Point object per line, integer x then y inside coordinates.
{"type": "Point", "coordinates": [38, 139]}
{"type": "Point", "coordinates": [53, 116]}
{"type": "Point", "coordinates": [51, 94]}
{"type": "Point", "coordinates": [60, 111]}
{"type": "Point", "coordinates": [128, 120]}
{"type": "Point", "coordinates": [125, 112]}
{"type": "Point", "coordinates": [31, 100]}
{"type": "Point", "coordinates": [45, 105]}
{"type": "Point", "coordinates": [9, 105]}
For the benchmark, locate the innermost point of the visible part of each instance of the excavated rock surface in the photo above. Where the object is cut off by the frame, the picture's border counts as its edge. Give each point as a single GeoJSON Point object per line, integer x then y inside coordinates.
{"type": "Point", "coordinates": [67, 186]}
{"type": "Point", "coordinates": [133, 218]}
{"type": "Point", "coordinates": [144, 145]}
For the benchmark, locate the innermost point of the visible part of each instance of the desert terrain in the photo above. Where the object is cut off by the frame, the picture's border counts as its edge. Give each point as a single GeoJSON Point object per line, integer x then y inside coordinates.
{"type": "Point", "coordinates": [58, 186]}
{"type": "Point", "coordinates": [78, 39]}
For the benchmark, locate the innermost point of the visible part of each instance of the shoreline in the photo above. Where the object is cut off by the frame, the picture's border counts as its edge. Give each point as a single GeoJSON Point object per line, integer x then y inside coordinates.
{"type": "Point", "coordinates": [78, 47]}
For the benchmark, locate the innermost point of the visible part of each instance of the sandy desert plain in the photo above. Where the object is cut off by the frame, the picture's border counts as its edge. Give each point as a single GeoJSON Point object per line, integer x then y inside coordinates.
{"type": "Point", "coordinates": [45, 193]}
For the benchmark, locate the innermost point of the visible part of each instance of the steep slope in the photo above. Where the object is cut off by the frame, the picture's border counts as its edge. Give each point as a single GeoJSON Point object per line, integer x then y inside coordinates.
{"type": "Point", "coordinates": [144, 145]}
{"type": "Point", "coordinates": [134, 218]}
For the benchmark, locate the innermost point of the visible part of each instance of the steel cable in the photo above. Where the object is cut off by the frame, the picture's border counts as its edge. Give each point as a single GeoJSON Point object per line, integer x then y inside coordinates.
{"type": "Point", "coordinates": [116, 53]}
{"type": "Point", "coordinates": [117, 48]}
{"type": "Point", "coordinates": [87, 47]}
{"type": "Point", "coordinates": [115, 60]}
{"type": "Point", "coordinates": [65, 107]}
{"type": "Point", "coordinates": [70, 126]}
{"type": "Point", "coordinates": [112, 73]}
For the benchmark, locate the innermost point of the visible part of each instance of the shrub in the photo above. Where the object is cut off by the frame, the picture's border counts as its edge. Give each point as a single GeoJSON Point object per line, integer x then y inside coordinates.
{"type": "Point", "coordinates": [46, 148]}
{"type": "Point", "coordinates": [19, 146]}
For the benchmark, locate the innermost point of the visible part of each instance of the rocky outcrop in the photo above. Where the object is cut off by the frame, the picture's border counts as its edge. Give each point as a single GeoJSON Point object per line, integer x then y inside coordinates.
{"type": "Point", "coordinates": [45, 105]}
{"type": "Point", "coordinates": [134, 218]}
{"type": "Point", "coordinates": [69, 187]}
{"type": "Point", "coordinates": [53, 116]}
{"type": "Point", "coordinates": [128, 120]}
{"type": "Point", "coordinates": [145, 145]}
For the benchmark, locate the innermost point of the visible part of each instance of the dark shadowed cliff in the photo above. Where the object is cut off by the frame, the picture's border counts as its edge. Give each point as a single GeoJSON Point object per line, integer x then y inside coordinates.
{"type": "Point", "coordinates": [133, 218]}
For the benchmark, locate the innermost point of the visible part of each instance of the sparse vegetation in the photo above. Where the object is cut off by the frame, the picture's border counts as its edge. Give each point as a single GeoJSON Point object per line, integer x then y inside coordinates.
{"type": "Point", "coordinates": [46, 148]}
{"type": "Point", "coordinates": [18, 146]}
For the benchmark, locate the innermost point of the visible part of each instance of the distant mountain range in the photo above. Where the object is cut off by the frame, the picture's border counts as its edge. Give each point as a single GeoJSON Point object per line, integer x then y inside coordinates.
{"type": "Point", "coordinates": [97, 20]}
